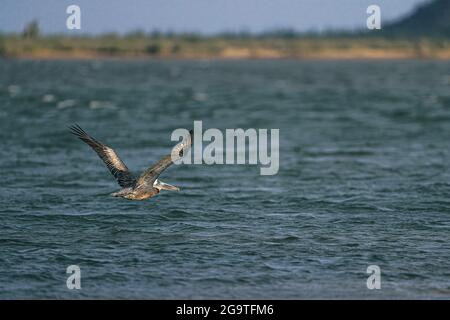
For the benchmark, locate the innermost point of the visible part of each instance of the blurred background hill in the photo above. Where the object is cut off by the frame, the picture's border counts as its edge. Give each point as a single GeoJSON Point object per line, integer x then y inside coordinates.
{"type": "Point", "coordinates": [429, 19]}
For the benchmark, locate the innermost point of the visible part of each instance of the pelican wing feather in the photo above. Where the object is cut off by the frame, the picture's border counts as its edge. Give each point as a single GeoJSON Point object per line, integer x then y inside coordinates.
{"type": "Point", "coordinates": [115, 165]}
{"type": "Point", "coordinates": [149, 176]}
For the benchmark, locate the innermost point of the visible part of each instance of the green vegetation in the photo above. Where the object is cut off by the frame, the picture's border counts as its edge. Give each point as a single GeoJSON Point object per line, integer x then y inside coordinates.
{"type": "Point", "coordinates": [2, 46]}
{"type": "Point", "coordinates": [424, 34]}
{"type": "Point", "coordinates": [153, 49]}
{"type": "Point", "coordinates": [224, 46]}
{"type": "Point", "coordinates": [31, 30]}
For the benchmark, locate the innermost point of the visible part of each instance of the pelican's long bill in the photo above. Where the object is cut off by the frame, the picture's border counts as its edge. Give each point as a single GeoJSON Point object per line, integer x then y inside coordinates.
{"type": "Point", "coordinates": [164, 186]}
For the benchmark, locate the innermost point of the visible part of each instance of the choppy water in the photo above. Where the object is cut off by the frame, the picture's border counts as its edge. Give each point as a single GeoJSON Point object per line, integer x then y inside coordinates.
{"type": "Point", "coordinates": [364, 179]}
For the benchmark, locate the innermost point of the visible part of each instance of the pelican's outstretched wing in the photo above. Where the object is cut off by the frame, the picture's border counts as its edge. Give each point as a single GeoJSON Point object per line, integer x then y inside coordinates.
{"type": "Point", "coordinates": [118, 169]}
{"type": "Point", "coordinates": [151, 174]}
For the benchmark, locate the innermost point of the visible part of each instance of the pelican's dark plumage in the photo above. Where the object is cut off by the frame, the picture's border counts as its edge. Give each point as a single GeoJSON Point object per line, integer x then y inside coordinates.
{"type": "Point", "coordinates": [147, 184]}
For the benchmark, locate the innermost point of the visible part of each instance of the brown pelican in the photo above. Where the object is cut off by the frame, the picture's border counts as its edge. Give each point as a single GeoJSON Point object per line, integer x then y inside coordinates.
{"type": "Point", "coordinates": [148, 184]}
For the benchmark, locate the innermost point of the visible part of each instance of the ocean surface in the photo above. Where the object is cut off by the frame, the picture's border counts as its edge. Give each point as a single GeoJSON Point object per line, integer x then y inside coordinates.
{"type": "Point", "coordinates": [364, 180]}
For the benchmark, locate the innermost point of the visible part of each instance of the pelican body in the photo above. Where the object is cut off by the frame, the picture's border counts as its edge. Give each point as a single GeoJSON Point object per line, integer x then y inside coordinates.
{"type": "Point", "coordinates": [142, 193]}
{"type": "Point", "coordinates": [147, 185]}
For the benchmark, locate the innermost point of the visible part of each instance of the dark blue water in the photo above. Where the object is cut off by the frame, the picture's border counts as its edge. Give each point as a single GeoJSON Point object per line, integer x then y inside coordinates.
{"type": "Point", "coordinates": [364, 180]}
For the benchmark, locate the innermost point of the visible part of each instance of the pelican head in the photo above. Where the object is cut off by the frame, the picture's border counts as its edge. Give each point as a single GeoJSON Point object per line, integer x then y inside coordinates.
{"type": "Point", "coordinates": [158, 184]}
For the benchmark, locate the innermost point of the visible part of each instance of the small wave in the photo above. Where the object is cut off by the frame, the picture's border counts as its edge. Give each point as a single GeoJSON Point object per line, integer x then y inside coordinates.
{"type": "Point", "coordinates": [95, 104]}
{"type": "Point", "coordinates": [13, 90]}
{"type": "Point", "coordinates": [200, 96]}
{"type": "Point", "coordinates": [48, 98]}
{"type": "Point", "coordinates": [66, 104]}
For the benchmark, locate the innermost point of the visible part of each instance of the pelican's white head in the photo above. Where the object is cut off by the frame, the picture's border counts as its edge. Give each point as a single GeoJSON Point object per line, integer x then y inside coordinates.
{"type": "Point", "coordinates": [164, 186]}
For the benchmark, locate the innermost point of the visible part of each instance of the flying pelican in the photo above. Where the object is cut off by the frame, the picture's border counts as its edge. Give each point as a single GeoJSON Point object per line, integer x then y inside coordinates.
{"type": "Point", "coordinates": [148, 184]}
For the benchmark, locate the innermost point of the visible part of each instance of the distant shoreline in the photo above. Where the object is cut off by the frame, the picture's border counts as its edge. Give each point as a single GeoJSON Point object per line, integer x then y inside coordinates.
{"type": "Point", "coordinates": [123, 58]}
{"type": "Point", "coordinates": [220, 48]}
